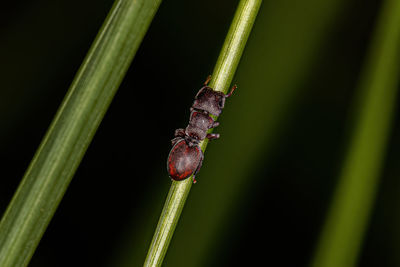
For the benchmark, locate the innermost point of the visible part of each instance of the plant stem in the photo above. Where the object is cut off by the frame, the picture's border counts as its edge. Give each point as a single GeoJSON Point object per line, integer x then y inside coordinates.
{"type": "Point", "coordinates": [72, 129]}
{"type": "Point", "coordinates": [348, 217]}
{"type": "Point", "coordinates": [223, 73]}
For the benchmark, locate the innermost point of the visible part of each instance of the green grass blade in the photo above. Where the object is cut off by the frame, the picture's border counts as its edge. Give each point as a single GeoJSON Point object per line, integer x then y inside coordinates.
{"type": "Point", "coordinates": [72, 129]}
{"type": "Point", "coordinates": [348, 217]}
{"type": "Point", "coordinates": [224, 70]}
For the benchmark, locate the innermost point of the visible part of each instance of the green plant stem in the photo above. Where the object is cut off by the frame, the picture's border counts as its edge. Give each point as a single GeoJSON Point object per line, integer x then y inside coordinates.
{"type": "Point", "coordinates": [348, 217]}
{"type": "Point", "coordinates": [72, 129]}
{"type": "Point", "coordinates": [223, 73]}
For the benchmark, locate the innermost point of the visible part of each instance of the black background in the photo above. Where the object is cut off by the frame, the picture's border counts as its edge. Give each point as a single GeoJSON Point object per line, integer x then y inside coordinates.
{"type": "Point", "coordinates": [111, 208]}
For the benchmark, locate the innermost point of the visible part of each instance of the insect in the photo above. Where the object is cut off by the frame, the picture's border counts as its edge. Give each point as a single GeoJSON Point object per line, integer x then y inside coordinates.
{"type": "Point", "coordinates": [186, 157]}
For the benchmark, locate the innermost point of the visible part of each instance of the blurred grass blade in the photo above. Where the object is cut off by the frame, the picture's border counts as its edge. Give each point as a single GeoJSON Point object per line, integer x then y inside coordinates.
{"type": "Point", "coordinates": [348, 217]}
{"type": "Point", "coordinates": [72, 129]}
{"type": "Point", "coordinates": [224, 70]}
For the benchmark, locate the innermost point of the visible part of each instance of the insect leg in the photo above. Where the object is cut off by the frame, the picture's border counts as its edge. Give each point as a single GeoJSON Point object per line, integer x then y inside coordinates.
{"type": "Point", "coordinates": [198, 166]}
{"type": "Point", "coordinates": [212, 136]}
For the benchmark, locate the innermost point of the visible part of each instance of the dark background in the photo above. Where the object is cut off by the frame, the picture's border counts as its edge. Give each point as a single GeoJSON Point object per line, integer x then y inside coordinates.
{"type": "Point", "coordinates": [265, 186]}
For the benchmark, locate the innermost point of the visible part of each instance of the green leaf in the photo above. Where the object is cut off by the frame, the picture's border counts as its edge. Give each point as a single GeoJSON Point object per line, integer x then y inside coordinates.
{"type": "Point", "coordinates": [72, 129]}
